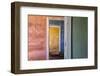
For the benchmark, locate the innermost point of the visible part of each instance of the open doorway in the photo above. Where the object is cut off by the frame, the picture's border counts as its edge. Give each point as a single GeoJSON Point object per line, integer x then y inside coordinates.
{"type": "Point", "coordinates": [56, 37]}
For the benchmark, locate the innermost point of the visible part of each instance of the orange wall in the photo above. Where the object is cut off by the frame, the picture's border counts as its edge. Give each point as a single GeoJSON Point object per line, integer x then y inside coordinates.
{"type": "Point", "coordinates": [37, 37]}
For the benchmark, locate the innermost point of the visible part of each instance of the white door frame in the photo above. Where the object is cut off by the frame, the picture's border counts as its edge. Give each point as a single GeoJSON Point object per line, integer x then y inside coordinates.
{"type": "Point", "coordinates": [67, 37]}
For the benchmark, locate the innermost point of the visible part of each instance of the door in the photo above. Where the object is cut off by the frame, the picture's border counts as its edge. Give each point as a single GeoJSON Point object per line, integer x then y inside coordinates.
{"type": "Point", "coordinates": [54, 40]}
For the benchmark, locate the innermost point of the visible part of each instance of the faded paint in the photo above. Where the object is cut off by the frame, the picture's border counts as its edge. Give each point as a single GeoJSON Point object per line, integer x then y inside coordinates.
{"type": "Point", "coordinates": [36, 37]}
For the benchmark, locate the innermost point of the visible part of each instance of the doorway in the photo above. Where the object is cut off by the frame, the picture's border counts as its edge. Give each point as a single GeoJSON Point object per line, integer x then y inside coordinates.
{"type": "Point", "coordinates": [56, 38]}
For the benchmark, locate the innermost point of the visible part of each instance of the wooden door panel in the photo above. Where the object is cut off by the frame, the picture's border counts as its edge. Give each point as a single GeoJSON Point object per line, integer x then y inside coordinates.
{"type": "Point", "coordinates": [54, 40]}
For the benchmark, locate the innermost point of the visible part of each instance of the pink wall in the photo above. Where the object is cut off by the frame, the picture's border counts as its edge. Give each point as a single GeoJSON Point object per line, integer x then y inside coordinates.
{"type": "Point", "coordinates": [37, 37]}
